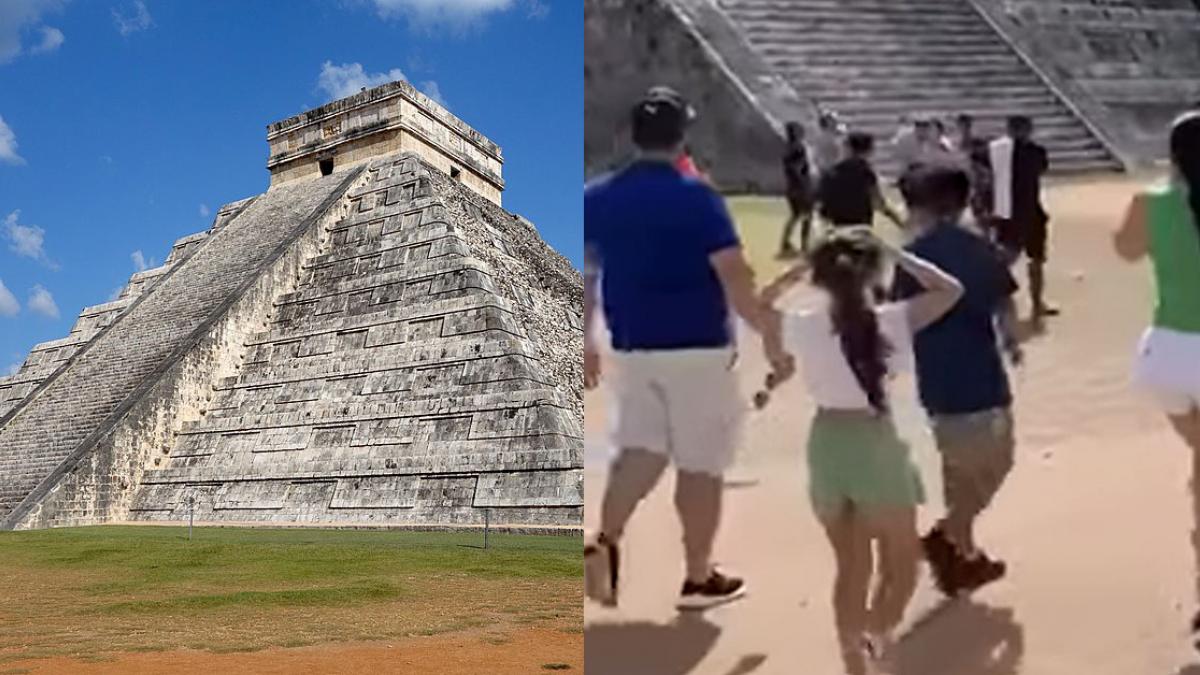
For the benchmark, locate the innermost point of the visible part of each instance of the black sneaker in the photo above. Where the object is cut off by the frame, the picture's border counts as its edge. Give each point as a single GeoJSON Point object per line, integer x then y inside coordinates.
{"type": "Point", "coordinates": [944, 561]}
{"type": "Point", "coordinates": [601, 564]}
{"type": "Point", "coordinates": [981, 571]}
{"type": "Point", "coordinates": [714, 590]}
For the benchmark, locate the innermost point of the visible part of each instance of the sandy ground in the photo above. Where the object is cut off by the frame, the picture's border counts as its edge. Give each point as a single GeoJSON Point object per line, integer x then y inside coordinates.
{"type": "Point", "coordinates": [1094, 521]}
{"type": "Point", "coordinates": [519, 653]}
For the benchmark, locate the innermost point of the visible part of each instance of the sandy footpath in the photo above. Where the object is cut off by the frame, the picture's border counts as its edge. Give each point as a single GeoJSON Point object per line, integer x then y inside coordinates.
{"type": "Point", "coordinates": [1094, 521]}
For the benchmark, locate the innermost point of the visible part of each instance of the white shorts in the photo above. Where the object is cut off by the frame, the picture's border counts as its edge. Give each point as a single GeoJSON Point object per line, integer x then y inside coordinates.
{"type": "Point", "coordinates": [684, 404]}
{"type": "Point", "coordinates": [1168, 368]}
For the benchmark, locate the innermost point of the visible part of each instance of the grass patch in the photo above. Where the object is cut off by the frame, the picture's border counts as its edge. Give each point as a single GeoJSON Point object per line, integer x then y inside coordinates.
{"type": "Point", "coordinates": [123, 588]}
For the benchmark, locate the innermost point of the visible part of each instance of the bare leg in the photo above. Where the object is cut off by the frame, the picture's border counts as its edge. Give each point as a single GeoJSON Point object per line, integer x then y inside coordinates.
{"type": "Point", "coordinates": [1037, 284]}
{"type": "Point", "coordinates": [852, 551]}
{"type": "Point", "coordinates": [899, 556]}
{"type": "Point", "coordinates": [805, 231]}
{"type": "Point", "coordinates": [633, 474]}
{"type": "Point", "coordinates": [1188, 427]}
{"type": "Point", "coordinates": [698, 500]}
{"type": "Point", "coordinates": [789, 227]}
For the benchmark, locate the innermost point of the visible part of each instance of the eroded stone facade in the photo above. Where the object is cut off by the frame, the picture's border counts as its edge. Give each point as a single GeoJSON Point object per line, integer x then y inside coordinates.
{"type": "Point", "coordinates": [383, 345]}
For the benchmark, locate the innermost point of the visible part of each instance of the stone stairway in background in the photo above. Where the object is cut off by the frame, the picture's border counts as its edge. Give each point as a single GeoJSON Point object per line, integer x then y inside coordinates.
{"type": "Point", "coordinates": [47, 358]}
{"type": "Point", "coordinates": [402, 381]}
{"type": "Point", "coordinates": [875, 60]}
{"type": "Point", "coordinates": [56, 431]}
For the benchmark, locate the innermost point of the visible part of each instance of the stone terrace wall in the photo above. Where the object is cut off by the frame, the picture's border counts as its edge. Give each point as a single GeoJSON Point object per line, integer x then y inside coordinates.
{"type": "Point", "coordinates": [1132, 64]}
{"type": "Point", "coordinates": [632, 45]}
{"type": "Point", "coordinates": [396, 385]}
{"type": "Point", "coordinates": [74, 451]}
{"type": "Point", "coordinates": [48, 357]}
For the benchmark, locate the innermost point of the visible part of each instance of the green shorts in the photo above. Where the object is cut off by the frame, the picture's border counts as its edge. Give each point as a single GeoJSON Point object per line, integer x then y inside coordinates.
{"type": "Point", "coordinates": [857, 458]}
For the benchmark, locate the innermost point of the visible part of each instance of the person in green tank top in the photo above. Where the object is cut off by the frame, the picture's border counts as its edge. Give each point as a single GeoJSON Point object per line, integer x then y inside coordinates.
{"type": "Point", "coordinates": [1164, 223]}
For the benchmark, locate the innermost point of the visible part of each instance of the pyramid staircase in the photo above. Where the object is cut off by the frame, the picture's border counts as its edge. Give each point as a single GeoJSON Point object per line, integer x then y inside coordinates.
{"type": "Point", "coordinates": [875, 60]}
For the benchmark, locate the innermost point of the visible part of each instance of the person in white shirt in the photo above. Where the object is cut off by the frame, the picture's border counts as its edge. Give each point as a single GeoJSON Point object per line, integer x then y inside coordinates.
{"type": "Point", "coordinates": [863, 485]}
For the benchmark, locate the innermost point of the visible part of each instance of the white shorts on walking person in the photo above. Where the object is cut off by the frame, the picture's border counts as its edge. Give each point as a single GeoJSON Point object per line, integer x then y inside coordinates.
{"type": "Point", "coordinates": [662, 252]}
{"type": "Point", "coordinates": [686, 405]}
{"type": "Point", "coordinates": [1163, 223]}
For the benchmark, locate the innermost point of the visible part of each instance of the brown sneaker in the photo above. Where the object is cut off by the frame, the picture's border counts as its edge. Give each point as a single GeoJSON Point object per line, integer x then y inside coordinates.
{"type": "Point", "coordinates": [944, 561]}
{"type": "Point", "coordinates": [714, 590]}
{"type": "Point", "coordinates": [981, 571]}
{"type": "Point", "coordinates": [601, 569]}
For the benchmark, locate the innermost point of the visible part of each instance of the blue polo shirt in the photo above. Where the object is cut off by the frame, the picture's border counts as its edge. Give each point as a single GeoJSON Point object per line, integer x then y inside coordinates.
{"type": "Point", "coordinates": [960, 369]}
{"type": "Point", "coordinates": [650, 230]}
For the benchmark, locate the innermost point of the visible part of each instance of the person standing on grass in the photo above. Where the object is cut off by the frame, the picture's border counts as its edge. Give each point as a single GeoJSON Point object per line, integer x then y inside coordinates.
{"type": "Point", "coordinates": [1018, 164]}
{"type": "Point", "coordinates": [664, 250]}
{"type": "Point", "coordinates": [864, 486]}
{"type": "Point", "coordinates": [849, 192]}
{"type": "Point", "coordinates": [1164, 223]}
{"type": "Point", "coordinates": [798, 181]}
{"type": "Point", "coordinates": [961, 375]}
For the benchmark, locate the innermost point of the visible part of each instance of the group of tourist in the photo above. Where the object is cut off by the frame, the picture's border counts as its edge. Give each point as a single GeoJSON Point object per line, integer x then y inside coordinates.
{"type": "Point", "coordinates": [662, 247]}
{"type": "Point", "coordinates": [833, 177]}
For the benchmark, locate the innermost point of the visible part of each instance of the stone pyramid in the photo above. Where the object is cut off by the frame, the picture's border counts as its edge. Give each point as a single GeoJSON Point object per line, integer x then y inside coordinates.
{"type": "Point", "coordinates": [371, 341]}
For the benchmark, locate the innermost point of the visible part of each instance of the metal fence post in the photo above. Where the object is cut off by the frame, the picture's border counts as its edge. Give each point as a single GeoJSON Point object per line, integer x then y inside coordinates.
{"type": "Point", "coordinates": [487, 526]}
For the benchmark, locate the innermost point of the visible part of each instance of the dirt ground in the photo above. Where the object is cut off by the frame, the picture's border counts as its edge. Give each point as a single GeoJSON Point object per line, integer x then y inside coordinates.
{"type": "Point", "coordinates": [519, 652]}
{"type": "Point", "coordinates": [1095, 520]}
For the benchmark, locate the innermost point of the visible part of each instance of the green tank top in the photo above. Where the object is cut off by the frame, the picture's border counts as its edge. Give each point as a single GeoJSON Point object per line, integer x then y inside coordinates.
{"type": "Point", "coordinates": [1175, 252]}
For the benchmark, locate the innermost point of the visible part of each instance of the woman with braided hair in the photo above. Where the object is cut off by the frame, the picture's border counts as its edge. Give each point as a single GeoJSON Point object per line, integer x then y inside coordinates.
{"type": "Point", "coordinates": [863, 484]}
{"type": "Point", "coordinates": [1164, 223]}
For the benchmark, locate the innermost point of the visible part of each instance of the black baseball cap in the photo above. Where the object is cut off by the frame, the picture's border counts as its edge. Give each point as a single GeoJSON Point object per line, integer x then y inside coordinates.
{"type": "Point", "coordinates": [661, 118]}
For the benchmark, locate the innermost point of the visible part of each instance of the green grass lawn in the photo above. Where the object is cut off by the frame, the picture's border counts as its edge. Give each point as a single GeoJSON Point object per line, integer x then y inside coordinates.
{"type": "Point", "coordinates": [83, 591]}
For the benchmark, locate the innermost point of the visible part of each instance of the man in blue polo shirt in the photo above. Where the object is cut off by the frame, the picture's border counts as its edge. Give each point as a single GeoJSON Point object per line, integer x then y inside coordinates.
{"type": "Point", "coordinates": [661, 247]}
{"type": "Point", "coordinates": [961, 373]}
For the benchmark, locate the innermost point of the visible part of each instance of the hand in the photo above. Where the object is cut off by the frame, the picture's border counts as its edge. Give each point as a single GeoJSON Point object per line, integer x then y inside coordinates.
{"type": "Point", "coordinates": [1016, 355]}
{"type": "Point", "coordinates": [783, 366]}
{"type": "Point", "coordinates": [591, 368]}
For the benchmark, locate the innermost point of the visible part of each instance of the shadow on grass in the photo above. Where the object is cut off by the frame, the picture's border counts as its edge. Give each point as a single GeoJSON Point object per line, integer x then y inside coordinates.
{"type": "Point", "coordinates": [289, 598]}
{"type": "Point", "coordinates": [639, 647]}
{"type": "Point", "coordinates": [962, 636]}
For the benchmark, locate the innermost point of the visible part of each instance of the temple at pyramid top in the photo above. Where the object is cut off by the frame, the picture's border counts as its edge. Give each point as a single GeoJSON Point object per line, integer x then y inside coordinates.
{"type": "Point", "coordinates": [389, 118]}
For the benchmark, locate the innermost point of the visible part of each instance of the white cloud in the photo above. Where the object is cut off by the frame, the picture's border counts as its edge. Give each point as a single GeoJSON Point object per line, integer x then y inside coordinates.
{"type": "Point", "coordinates": [433, 91]}
{"type": "Point", "coordinates": [52, 38]}
{"type": "Point", "coordinates": [8, 302]}
{"type": "Point", "coordinates": [348, 78]}
{"type": "Point", "coordinates": [26, 240]}
{"type": "Point", "coordinates": [41, 302]}
{"type": "Point", "coordinates": [454, 13]}
{"type": "Point", "coordinates": [8, 145]}
{"type": "Point", "coordinates": [141, 262]}
{"type": "Point", "coordinates": [15, 16]}
{"type": "Point", "coordinates": [136, 19]}
{"type": "Point", "coordinates": [204, 212]}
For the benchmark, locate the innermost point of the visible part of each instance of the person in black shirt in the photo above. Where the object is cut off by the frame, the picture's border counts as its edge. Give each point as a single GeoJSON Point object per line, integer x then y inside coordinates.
{"type": "Point", "coordinates": [849, 192]}
{"type": "Point", "coordinates": [797, 173]}
{"type": "Point", "coordinates": [1025, 229]}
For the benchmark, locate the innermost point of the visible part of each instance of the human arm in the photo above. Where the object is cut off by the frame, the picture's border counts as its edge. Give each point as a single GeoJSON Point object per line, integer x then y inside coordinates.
{"type": "Point", "coordinates": [940, 291]}
{"type": "Point", "coordinates": [1006, 321]}
{"type": "Point", "coordinates": [737, 279]}
{"type": "Point", "coordinates": [881, 204]}
{"type": "Point", "coordinates": [1132, 240]}
{"type": "Point", "coordinates": [591, 293]}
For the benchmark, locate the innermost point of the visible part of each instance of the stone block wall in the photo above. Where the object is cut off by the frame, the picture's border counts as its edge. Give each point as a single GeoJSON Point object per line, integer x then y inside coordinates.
{"type": "Point", "coordinates": [73, 452]}
{"type": "Point", "coordinates": [48, 358]}
{"type": "Point", "coordinates": [1133, 64]}
{"type": "Point", "coordinates": [397, 384]}
{"type": "Point", "coordinates": [632, 45]}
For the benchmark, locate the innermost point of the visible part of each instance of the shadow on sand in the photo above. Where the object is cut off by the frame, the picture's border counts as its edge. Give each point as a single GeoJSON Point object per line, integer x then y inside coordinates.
{"type": "Point", "coordinates": [644, 648]}
{"type": "Point", "coordinates": [962, 636]}
{"type": "Point", "coordinates": [1193, 669]}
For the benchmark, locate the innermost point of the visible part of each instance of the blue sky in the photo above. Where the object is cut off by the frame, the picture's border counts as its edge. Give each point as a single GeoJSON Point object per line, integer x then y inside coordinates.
{"type": "Point", "coordinates": [125, 124]}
